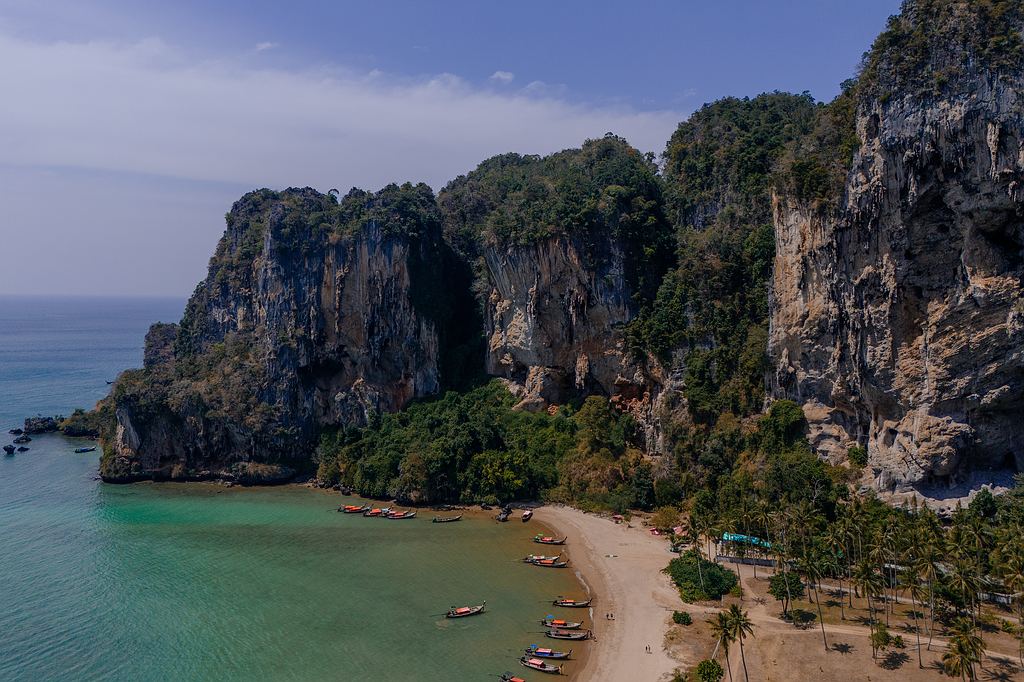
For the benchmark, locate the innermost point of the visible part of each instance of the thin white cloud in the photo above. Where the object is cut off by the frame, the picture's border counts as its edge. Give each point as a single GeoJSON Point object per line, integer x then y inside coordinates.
{"type": "Point", "coordinates": [262, 47]}
{"type": "Point", "coordinates": [151, 108]}
{"type": "Point", "coordinates": [503, 76]}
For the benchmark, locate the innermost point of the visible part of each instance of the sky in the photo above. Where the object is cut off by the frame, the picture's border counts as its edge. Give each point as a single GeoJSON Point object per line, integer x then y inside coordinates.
{"type": "Point", "coordinates": [127, 129]}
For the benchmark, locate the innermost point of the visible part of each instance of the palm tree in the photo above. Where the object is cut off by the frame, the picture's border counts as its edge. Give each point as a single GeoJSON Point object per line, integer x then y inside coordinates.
{"type": "Point", "coordinates": [811, 567]}
{"type": "Point", "coordinates": [964, 580]}
{"type": "Point", "coordinates": [835, 539]}
{"type": "Point", "coordinates": [965, 649]}
{"type": "Point", "coordinates": [911, 580]}
{"type": "Point", "coordinates": [745, 517]}
{"type": "Point", "coordinates": [929, 555]}
{"type": "Point", "coordinates": [1012, 572]}
{"type": "Point", "coordinates": [740, 625]}
{"type": "Point", "coordinates": [763, 516]}
{"type": "Point", "coordinates": [697, 525]}
{"type": "Point", "coordinates": [869, 583]}
{"type": "Point", "coordinates": [956, 662]}
{"type": "Point", "coordinates": [721, 628]}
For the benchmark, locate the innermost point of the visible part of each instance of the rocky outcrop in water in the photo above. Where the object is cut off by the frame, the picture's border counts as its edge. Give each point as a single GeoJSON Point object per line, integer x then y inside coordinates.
{"type": "Point", "coordinates": [898, 317]}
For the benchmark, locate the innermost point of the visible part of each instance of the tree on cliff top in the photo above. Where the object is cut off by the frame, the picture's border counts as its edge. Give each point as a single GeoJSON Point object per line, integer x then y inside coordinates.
{"type": "Point", "coordinates": [931, 44]}
{"type": "Point", "coordinates": [603, 195]}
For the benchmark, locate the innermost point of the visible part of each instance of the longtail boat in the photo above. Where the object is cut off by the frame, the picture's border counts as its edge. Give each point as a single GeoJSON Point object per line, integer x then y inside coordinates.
{"type": "Point", "coordinates": [530, 558]}
{"type": "Point", "coordinates": [354, 509]}
{"type": "Point", "coordinates": [550, 563]}
{"type": "Point", "coordinates": [447, 519]}
{"type": "Point", "coordinates": [463, 611]}
{"type": "Point", "coordinates": [572, 603]}
{"type": "Point", "coordinates": [527, 515]}
{"type": "Point", "coordinates": [401, 515]}
{"type": "Point", "coordinates": [569, 634]}
{"type": "Point", "coordinates": [540, 652]}
{"type": "Point", "coordinates": [559, 624]}
{"type": "Point", "coordinates": [373, 512]}
{"type": "Point", "coordinates": [538, 664]}
{"type": "Point", "coordinates": [511, 677]}
{"type": "Point", "coordinates": [546, 540]}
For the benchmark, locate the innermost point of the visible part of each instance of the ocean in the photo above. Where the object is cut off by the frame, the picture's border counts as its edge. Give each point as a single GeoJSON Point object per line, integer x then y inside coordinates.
{"type": "Point", "coordinates": [202, 582]}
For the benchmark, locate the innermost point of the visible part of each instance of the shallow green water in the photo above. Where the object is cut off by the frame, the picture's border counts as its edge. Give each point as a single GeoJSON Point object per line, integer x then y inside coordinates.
{"type": "Point", "coordinates": [175, 582]}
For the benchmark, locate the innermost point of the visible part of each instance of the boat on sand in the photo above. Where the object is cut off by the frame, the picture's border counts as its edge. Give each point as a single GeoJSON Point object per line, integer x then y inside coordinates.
{"type": "Point", "coordinates": [547, 540]}
{"type": "Point", "coordinates": [540, 652]}
{"type": "Point", "coordinates": [572, 603]}
{"type": "Point", "coordinates": [530, 558]}
{"type": "Point", "coordinates": [538, 664]}
{"type": "Point", "coordinates": [550, 563]}
{"type": "Point", "coordinates": [559, 624]}
{"type": "Point", "coordinates": [569, 634]}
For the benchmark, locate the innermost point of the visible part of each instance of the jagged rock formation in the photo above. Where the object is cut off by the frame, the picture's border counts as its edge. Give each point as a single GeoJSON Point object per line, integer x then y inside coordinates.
{"type": "Point", "coordinates": [898, 316]}
{"type": "Point", "coordinates": [312, 314]}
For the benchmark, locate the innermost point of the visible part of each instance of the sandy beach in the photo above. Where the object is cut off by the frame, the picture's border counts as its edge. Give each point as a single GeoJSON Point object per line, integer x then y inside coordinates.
{"type": "Point", "coordinates": [621, 567]}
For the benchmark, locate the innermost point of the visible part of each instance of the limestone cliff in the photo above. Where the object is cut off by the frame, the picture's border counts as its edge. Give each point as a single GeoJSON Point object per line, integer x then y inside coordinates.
{"type": "Point", "coordinates": [313, 314]}
{"type": "Point", "coordinates": [553, 324]}
{"type": "Point", "coordinates": [566, 249]}
{"type": "Point", "coordinates": [897, 317]}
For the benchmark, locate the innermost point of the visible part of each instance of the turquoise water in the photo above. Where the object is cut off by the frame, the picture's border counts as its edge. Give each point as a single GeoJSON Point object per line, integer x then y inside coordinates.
{"type": "Point", "coordinates": [196, 582]}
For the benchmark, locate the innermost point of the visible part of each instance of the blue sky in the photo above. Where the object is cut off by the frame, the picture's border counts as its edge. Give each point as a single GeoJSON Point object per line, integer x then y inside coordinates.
{"type": "Point", "coordinates": [135, 124]}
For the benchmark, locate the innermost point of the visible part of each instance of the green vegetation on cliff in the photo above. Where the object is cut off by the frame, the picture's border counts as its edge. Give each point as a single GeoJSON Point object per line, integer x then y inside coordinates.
{"type": "Point", "coordinates": [713, 306]}
{"type": "Point", "coordinates": [606, 190]}
{"type": "Point", "coordinates": [933, 43]}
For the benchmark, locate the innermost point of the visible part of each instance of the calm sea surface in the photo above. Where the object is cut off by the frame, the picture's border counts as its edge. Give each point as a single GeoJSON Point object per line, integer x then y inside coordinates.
{"type": "Point", "coordinates": [199, 582]}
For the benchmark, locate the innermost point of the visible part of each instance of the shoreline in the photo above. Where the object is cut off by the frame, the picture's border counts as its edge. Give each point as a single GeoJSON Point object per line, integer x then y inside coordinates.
{"type": "Point", "coordinates": [621, 567]}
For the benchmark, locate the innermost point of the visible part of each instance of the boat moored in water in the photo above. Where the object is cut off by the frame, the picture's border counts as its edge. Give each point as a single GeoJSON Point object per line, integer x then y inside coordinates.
{"type": "Point", "coordinates": [569, 634]}
{"type": "Point", "coordinates": [394, 516]}
{"type": "Point", "coordinates": [447, 519]}
{"type": "Point", "coordinates": [530, 558]}
{"type": "Point", "coordinates": [550, 563]}
{"type": "Point", "coordinates": [527, 515]}
{"type": "Point", "coordinates": [540, 652]}
{"type": "Point", "coordinates": [373, 512]}
{"type": "Point", "coordinates": [538, 664]}
{"type": "Point", "coordinates": [547, 540]}
{"type": "Point", "coordinates": [463, 611]}
{"type": "Point", "coordinates": [90, 449]}
{"type": "Point", "coordinates": [511, 677]}
{"type": "Point", "coordinates": [559, 624]}
{"type": "Point", "coordinates": [572, 603]}
{"type": "Point", "coordinates": [354, 509]}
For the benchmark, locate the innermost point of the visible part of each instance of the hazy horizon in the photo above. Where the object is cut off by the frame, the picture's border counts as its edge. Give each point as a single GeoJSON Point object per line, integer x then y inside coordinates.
{"type": "Point", "coordinates": [128, 133]}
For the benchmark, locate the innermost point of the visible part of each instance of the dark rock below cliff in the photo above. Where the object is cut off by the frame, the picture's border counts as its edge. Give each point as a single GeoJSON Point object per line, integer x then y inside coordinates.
{"type": "Point", "coordinates": [34, 425]}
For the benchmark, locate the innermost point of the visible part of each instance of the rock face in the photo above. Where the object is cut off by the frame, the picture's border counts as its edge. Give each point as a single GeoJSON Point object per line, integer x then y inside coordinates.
{"type": "Point", "coordinates": [309, 318]}
{"type": "Point", "coordinates": [898, 319]}
{"type": "Point", "coordinates": [35, 425]}
{"type": "Point", "coordinates": [553, 324]}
